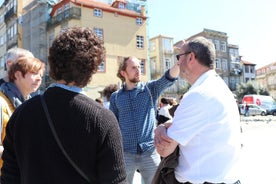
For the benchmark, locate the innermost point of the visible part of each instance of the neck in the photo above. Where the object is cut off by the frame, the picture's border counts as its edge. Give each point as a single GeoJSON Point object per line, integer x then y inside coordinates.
{"type": "Point", "coordinates": [130, 85]}
{"type": "Point", "coordinates": [200, 72]}
{"type": "Point", "coordinates": [6, 79]}
{"type": "Point", "coordinates": [68, 84]}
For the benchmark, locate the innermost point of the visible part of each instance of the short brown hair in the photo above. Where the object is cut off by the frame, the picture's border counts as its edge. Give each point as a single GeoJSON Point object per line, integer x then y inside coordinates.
{"type": "Point", "coordinates": [122, 67]}
{"type": "Point", "coordinates": [25, 65]}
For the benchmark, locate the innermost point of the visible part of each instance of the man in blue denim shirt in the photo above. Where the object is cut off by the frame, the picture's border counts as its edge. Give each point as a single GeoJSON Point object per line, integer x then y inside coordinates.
{"type": "Point", "coordinates": [134, 105]}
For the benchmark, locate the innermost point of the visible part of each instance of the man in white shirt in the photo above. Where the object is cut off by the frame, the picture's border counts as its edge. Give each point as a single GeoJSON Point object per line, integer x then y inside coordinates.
{"type": "Point", "coordinates": [206, 125]}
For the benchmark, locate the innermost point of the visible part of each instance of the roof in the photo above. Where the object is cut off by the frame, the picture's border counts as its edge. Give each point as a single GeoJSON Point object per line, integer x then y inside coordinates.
{"type": "Point", "coordinates": [101, 5]}
{"type": "Point", "coordinates": [247, 63]}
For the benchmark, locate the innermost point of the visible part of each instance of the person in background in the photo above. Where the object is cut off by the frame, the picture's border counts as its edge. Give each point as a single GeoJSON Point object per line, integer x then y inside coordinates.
{"type": "Point", "coordinates": [108, 90]}
{"type": "Point", "coordinates": [163, 113]}
{"type": "Point", "coordinates": [174, 107]}
{"type": "Point", "coordinates": [88, 132]}
{"type": "Point", "coordinates": [25, 76]}
{"type": "Point", "coordinates": [206, 125]}
{"type": "Point", "coordinates": [135, 105]}
{"type": "Point", "coordinates": [12, 55]}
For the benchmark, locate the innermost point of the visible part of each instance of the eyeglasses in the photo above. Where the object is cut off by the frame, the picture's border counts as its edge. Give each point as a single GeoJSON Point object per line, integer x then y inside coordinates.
{"type": "Point", "coordinates": [178, 55]}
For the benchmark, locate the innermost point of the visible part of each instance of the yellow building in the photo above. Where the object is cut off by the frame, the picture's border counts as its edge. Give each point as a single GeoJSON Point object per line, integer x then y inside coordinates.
{"type": "Point", "coordinates": [124, 33]}
{"type": "Point", "coordinates": [10, 28]}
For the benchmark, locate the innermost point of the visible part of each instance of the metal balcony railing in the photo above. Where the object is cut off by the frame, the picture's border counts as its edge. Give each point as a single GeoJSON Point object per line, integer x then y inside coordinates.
{"type": "Point", "coordinates": [10, 14]}
{"type": "Point", "coordinates": [72, 13]}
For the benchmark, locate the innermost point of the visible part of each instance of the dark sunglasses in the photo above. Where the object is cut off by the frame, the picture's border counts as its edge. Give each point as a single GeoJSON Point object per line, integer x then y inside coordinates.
{"type": "Point", "coordinates": [178, 55]}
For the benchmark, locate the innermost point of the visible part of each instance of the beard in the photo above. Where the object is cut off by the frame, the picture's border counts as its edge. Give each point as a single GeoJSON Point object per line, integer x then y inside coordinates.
{"type": "Point", "coordinates": [134, 80]}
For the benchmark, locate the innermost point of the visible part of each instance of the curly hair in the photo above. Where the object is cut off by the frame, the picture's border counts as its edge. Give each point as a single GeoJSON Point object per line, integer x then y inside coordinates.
{"type": "Point", "coordinates": [25, 65]}
{"type": "Point", "coordinates": [75, 55]}
{"type": "Point", "coordinates": [108, 90]}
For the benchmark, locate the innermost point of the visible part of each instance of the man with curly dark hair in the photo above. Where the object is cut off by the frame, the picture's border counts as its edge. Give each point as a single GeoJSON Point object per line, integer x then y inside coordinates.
{"type": "Point", "coordinates": [88, 132]}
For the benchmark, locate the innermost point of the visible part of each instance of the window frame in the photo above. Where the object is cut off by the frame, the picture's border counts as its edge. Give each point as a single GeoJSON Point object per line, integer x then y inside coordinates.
{"type": "Point", "coordinates": [97, 12]}
{"type": "Point", "coordinates": [139, 42]}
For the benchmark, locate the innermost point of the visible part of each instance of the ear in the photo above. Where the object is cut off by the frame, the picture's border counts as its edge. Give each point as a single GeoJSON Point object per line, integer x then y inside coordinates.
{"type": "Point", "coordinates": [8, 63]}
{"type": "Point", "coordinates": [122, 73]}
{"type": "Point", "coordinates": [18, 75]}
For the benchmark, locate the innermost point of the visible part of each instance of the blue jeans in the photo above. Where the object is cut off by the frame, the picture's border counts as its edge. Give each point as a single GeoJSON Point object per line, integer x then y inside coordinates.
{"type": "Point", "coordinates": [146, 163]}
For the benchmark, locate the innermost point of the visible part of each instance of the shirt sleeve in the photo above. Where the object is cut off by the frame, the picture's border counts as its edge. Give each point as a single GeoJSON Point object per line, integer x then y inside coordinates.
{"type": "Point", "coordinates": [189, 118]}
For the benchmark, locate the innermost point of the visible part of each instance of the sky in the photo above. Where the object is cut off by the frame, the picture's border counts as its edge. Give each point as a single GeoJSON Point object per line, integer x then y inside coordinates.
{"type": "Point", "coordinates": [250, 24]}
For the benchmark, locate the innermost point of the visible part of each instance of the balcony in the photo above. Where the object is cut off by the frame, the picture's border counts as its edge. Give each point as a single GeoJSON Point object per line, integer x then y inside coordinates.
{"type": "Point", "coordinates": [10, 14]}
{"type": "Point", "coordinates": [72, 13]}
{"type": "Point", "coordinates": [236, 72]}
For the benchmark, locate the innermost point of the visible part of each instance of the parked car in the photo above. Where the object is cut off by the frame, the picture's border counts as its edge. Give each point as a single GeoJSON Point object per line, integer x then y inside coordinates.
{"type": "Point", "coordinates": [252, 110]}
{"type": "Point", "coordinates": [272, 112]}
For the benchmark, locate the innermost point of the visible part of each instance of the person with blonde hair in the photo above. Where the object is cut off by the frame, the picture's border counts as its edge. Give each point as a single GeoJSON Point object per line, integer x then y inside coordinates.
{"type": "Point", "coordinates": [12, 55]}
{"type": "Point", "coordinates": [25, 77]}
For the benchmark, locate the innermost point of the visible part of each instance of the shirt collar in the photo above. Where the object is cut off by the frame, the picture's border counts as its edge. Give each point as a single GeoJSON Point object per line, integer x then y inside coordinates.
{"type": "Point", "coordinates": [203, 77]}
{"type": "Point", "coordinates": [69, 88]}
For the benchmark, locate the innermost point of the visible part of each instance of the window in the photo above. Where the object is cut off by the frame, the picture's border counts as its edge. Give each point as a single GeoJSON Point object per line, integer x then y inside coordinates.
{"type": "Point", "coordinates": [139, 42]}
{"type": "Point", "coordinates": [97, 13]}
{"type": "Point", "coordinates": [139, 21]}
{"type": "Point", "coordinates": [218, 63]}
{"type": "Point", "coordinates": [99, 32]}
{"type": "Point", "coordinates": [223, 46]}
{"type": "Point", "coordinates": [246, 69]}
{"type": "Point", "coordinates": [66, 10]}
{"type": "Point", "coordinates": [167, 45]}
{"type": "Point", "coordinates": [142, 66]}
{"type": "Point", "coordinates": [167, 63]}
{"type": "Point", "coordinates": [121, 5]}
{"type": "Point", "coordinates": [252, 69]}
{"type": "Point", "coordinates": [59, 10]}
{"type": "Point", "coordinates": [59, 14]}
{"type": "Point", "coordinates": [216, 43]}
{"type": "Point", "coordinates": [224, 64]}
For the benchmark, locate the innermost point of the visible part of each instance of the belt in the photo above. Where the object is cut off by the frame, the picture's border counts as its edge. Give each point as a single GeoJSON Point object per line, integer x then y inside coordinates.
{"type": "Point", "coordinates": [237, 182]}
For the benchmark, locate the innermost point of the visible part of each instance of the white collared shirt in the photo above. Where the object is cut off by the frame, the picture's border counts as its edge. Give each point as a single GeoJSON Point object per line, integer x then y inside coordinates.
{"type": "Point", "coordinates": [207, 127]}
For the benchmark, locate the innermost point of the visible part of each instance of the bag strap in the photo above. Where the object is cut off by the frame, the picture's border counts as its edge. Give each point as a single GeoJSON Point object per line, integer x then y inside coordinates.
{"type": "Point", "coordinates": [58, 141]}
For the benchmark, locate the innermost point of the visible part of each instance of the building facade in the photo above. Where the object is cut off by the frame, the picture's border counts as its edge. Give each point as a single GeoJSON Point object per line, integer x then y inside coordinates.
{"type": "Point", "coordinates": [124, 33]}
{"type": "Point", "coordinates": [266, 77]}
{"type": "Point", "coordinates": [162, 57]}
{"type": "Point", "coordinates": [10, 28]}
{"type": "Point", "coordinates": [228, 63]}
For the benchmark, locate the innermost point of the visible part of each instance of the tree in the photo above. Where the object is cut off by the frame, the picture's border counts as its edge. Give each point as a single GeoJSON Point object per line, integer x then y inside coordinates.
{"type": "Point", "coordinates": [251, 87]}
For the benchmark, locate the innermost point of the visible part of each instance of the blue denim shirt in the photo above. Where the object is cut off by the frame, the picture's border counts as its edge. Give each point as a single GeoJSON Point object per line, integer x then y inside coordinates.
{"type": "Point", "coordinates": [136, 111]}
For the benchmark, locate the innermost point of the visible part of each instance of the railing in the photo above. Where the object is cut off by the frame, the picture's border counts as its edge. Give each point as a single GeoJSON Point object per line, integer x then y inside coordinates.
{"type": "Point", "coordinates": [72, 13]}
{"type": "Point", "coordinates": [236, 72]}
{"type": "Point", "coordinates": [9, 14]}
